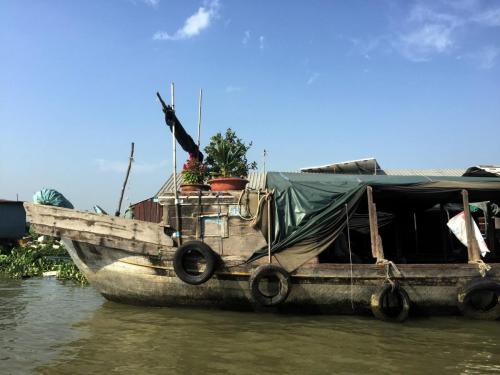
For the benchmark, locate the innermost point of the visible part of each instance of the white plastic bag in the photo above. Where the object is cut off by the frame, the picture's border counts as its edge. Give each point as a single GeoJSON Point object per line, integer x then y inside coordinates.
{"type": "Point", "coordinates": [458, 227]}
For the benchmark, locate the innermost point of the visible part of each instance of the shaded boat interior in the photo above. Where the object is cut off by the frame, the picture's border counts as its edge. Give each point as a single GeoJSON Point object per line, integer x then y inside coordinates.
{"type": "Point", "coordinates": [414, 230]}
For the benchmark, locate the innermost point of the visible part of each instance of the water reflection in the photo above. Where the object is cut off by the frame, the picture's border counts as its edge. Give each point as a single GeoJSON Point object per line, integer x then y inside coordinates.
{"type": "Point", "coordinates": [178, 341]}
{"type": "Point", "coordinates": [11, 303]}
{"type": "Point", "coordinates": [69, 330]}
{"type": "Point", "coordinates": [35, 316]}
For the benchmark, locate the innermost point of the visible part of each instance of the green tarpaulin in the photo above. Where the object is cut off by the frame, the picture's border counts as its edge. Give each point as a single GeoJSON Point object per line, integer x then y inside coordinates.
{"type": "Point", "coordinates": [310, 209]}
{"type": "Point", "coordinates": [51, 197]}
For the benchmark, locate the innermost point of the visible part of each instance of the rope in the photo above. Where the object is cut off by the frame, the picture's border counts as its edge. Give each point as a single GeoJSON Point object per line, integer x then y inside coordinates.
{"type": "Point", "coordinates": [350, 254]}
{"type": "Point", "coordinates": [388, 264]}
{"type": "Point", "coordinates": [251, 218]}
{"type": "Point", "coordinates": [483, 267]}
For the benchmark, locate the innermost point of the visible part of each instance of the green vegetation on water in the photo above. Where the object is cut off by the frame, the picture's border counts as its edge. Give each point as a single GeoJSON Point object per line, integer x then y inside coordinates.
{"type": "Point", "coordinates": [35, 255]}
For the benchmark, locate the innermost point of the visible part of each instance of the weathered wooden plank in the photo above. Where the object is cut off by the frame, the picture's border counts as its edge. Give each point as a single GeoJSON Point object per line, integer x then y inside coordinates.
{"type": "Point", "coordinates": [107, 241]}
{"type": "Point", "coordinates": [116, 232]}
{"type": "Point", "coordinates": [376, 241]}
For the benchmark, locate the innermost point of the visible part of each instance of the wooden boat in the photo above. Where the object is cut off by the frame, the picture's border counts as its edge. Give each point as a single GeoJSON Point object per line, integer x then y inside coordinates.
{"type": "Point", "coordinates": [143, 263]}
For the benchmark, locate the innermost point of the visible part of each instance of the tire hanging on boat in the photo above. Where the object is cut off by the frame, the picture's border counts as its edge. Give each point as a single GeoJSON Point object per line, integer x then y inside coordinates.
{"type": "Point", "coordinates": [480, 299]}
{"type": "Point", "coordinates": [270, 271]}
{"type": "Point", "coordinates": [391, 303]}
{"type": "Point", "coordinates": [196, 249]}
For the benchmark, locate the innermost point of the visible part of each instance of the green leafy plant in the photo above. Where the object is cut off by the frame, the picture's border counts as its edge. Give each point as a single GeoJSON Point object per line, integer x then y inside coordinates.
{"type": "Point", "coordinates": [226, 156]}
{"type": "Point", "coordinates": [33, 258]}
{"type": "Point", "coordinates": [194, 171]}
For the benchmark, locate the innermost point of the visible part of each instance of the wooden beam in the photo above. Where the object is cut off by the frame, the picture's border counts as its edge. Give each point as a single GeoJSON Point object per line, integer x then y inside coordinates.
{"type": "Point", "coordinates": [380, 248]}
{"type": "Point", "coordinates": [490, 228]}
{"type": "Point", "coordinates": [376, 241]}
{"type": "Point", "coordinates": [472, 245]}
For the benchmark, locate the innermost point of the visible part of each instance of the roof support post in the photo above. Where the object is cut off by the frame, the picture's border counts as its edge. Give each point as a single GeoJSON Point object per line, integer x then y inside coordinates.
{"type": "Point", "coordinates": [268, 198]}
{"type": "Point", "coordinates": [473, 253]}
{"type": "Point", "coordinates": [376, 241]}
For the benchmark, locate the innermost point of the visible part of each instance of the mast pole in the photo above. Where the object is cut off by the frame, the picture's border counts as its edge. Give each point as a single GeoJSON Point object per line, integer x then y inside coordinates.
{"type": "Point", "coordinates": [174, 142]}
{"type": "Point", "coordinates": [174, 168]}
{"type": "Point", "coordinates": [200, 98]}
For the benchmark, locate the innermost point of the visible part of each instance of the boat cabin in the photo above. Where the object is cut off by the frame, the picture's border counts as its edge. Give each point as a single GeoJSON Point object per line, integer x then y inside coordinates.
{"type": "Point", "coordinates": [319, 218]}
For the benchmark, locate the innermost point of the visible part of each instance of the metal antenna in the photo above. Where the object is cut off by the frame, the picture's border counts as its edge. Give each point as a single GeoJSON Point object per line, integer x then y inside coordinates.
{"type": "Point", "coordinates": [264, 157]}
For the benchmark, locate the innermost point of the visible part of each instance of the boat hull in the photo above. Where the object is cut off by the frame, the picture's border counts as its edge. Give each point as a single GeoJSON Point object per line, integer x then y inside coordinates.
{"type": "Point", "coordinates": [140, 279]}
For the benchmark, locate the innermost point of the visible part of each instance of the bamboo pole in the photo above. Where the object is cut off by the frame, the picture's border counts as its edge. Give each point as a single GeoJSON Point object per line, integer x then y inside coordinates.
{"type": "Point", "coordinates": [130, 160]}
{"type": "Point", "coordinates": [472, 246]}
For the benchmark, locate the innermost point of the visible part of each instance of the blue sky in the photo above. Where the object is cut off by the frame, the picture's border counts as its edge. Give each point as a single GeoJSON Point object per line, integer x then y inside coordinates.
{"type": "Point", "coordinates": [412, 83]}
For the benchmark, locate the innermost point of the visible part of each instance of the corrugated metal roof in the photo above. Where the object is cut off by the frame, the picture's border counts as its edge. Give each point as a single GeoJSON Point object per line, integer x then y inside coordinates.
{"type": "Point", "coordinates": [450, 172]}
{"type": "Point", "coordinates": [371, 166]}
{"type": "Point", "coordinates": [148, 210]}
{"type": "Point", "coordinates": [360, 166]}
{"type": "Point", "coordinates": [495, 169]}
{"type": "Point", "coordinates": [257, 180]}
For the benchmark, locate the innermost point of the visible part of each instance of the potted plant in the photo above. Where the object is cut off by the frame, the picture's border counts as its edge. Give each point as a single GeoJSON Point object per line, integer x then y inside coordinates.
{"type": "Point", "coordinates": [193, 174]}
{"type": "Point", "coordinates": [227, 162]}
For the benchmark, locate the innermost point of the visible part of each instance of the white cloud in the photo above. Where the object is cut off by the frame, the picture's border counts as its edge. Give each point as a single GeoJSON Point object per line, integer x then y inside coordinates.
{"type": "Point", "coordinates": [312, 78]}
{"type": "Point", "coordinates": [152, 3]}
{"type": "Point", "coordinates": [246, 37]}
{"type": "Point", "coordinates": [429, 32]}
{"type": "Point", "coordinates": [430, 29]}
{"type": "Point", "coordinates": [194, 24]}
{"type": "Point", "coordinates": [423, 14]}
{"type": "Point", "coordinates": [463, 5]}
{"type": "Point", "coordinates": [486, 58]}
{"type": "Point", "coordinates": [489, 17]}
{"type": "Point", "coordinates": [366, 47]}
{"type": "Point", "coordinates": [231, 89]}
{"type": "Point", "coordinates": [429, 39]}
{"type": "Point", "coordinates": [105, 165]}
{"type": "Point", "coordinates": [261, 42]}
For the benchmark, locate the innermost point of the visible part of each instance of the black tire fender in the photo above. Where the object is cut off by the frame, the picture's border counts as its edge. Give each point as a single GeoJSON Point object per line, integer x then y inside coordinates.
{"type": "Point", "coordinates": [465, 299]}
{"type": "Point", "coordinates": [379, 308]}
{"type": "Point", "coordinates": [210, 257]}
{"type": "Point", "coordinates": [266, 271]}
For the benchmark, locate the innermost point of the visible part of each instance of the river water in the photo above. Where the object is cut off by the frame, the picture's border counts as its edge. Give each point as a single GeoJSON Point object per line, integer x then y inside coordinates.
{"type": "Point", "coordinates": [53, 327]}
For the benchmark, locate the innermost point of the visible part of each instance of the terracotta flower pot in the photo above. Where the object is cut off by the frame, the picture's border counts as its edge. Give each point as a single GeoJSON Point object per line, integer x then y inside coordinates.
{"type": "Point", "coordinates": [227, 183]}
{"type": "Point", "coordinates": [194, 187]}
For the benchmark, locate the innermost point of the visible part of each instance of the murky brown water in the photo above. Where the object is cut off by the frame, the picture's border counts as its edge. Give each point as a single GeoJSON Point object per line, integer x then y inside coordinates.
{"type": "Point", "coordinates": [50, 327]}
